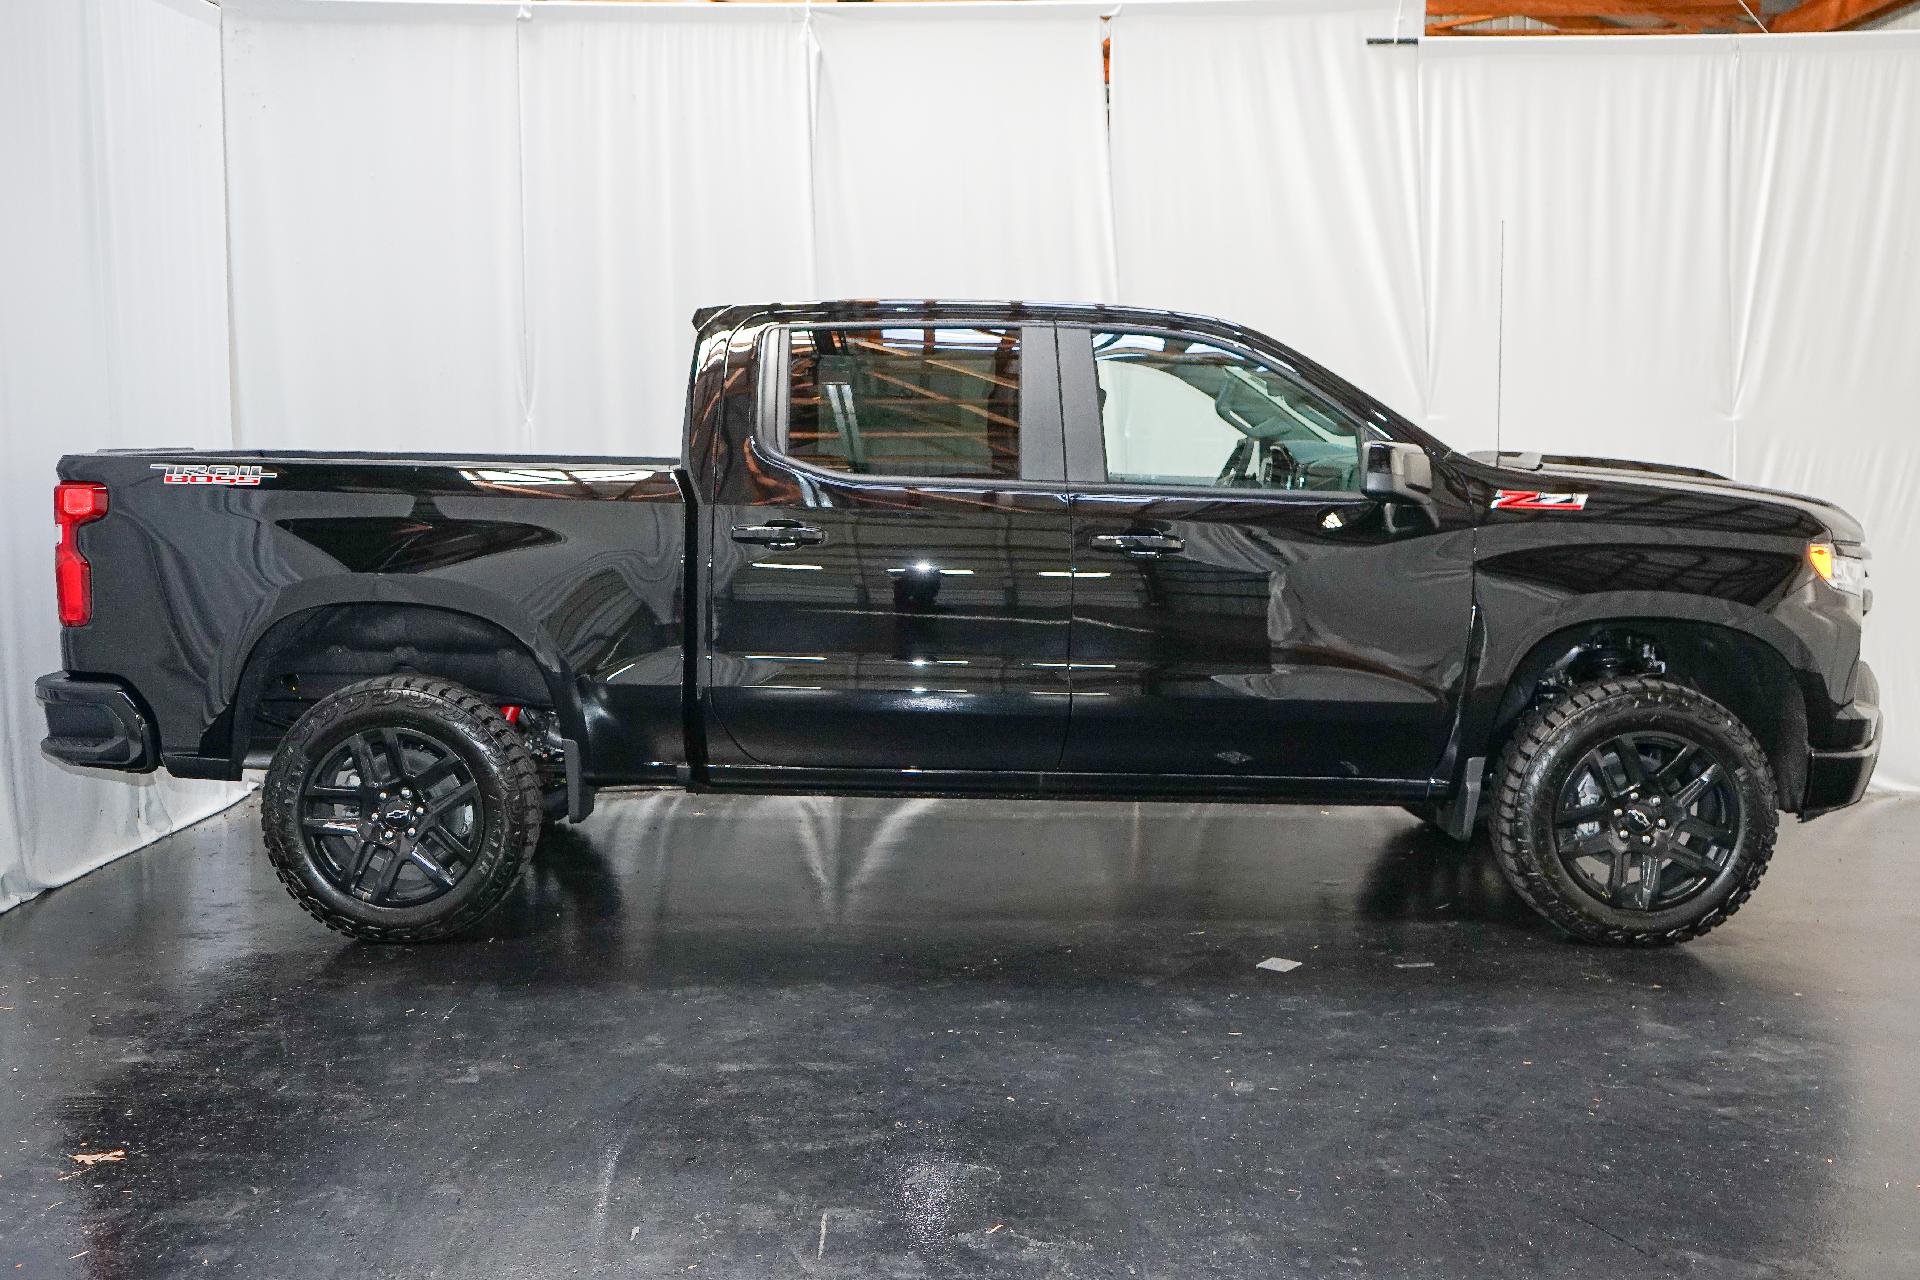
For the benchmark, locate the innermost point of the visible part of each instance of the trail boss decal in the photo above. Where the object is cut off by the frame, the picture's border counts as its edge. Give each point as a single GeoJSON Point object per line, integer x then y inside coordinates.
{"type": "Point", "coordinates": [216, 473]}
{"type": "Point", "coordinates": [1533, 500]}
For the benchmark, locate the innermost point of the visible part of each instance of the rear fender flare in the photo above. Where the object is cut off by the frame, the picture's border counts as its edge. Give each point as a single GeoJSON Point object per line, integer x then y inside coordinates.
{"type": "Point", "coordinates": [407, 591]}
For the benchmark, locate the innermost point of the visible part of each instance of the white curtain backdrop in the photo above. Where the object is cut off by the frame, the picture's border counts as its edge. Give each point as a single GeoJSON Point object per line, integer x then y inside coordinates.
{"type": "Point", "coordinates": [113, 332]}
{"type": "Point", "coordinates": [960, 152]}
{"type": "Point", "coordinates": [1615, 339]}
{"type": "Point", "coordinates": [666, 168]}
{"type": "Point", "coordinates": [1266, 169]}
{"type": "Point", "coordinates": [1826, 314]}
{"type": "Point", "coordinates": [484, 226]}
{"type": "Point", "coordinates": [373, 177]}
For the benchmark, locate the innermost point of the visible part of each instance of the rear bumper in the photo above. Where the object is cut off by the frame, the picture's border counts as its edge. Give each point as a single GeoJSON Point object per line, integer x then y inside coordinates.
{"type": "Point", "coordinates": [1838, 776]}
{"type": "Point", "coordinates": [96, 723]}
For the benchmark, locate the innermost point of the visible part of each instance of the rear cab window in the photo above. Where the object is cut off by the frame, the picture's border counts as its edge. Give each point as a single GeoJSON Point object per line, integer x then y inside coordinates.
{"type": "Point", "coordinates": [948, 402]}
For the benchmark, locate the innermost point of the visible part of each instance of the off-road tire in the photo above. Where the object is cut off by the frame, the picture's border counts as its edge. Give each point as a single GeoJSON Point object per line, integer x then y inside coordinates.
{"type": "Point", "coordinates": [503, 768]}
{"type": "Point", "coordinates": [1546, 747]}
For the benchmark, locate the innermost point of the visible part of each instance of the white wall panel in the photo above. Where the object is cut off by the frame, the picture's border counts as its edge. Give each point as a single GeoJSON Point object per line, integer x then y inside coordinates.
{"type": "Point", "coordinates": [374, 182]}
{"type": "Point", "coordinates": [112, 333]}
{"type": "Point", "coordinates": [1826, 292]}
{"type": "Point", "coordinates": [666, 169]}
{"type": "Point", "coordinates": [1266, 170]}
{"type": "Point", "coordinates": [1607, 162]}
{"type": "Point", "coordinates": [960, 152]}
{"type": "Point", "coordinates": [1907, 19]}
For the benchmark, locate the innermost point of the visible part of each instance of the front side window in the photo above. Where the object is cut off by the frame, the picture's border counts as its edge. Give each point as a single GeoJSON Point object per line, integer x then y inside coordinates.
{"type": "Point", "coordinates": [1179, 411]}
{"type": "Point", "coordinates": [920, 401]}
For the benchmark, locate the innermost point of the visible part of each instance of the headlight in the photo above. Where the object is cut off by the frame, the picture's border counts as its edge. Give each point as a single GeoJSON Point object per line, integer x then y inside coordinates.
{"type": "Point", "coordinates": [1843, 573]}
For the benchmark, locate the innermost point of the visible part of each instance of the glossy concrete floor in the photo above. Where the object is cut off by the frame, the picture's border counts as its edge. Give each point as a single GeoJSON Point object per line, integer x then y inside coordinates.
{"type": "Point", "coordinates": [772, 1037]}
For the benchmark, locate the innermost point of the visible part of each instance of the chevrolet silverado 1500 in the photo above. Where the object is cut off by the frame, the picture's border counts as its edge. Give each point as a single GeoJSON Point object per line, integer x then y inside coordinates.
{"type": "Point", "coordinates": [976, 549]}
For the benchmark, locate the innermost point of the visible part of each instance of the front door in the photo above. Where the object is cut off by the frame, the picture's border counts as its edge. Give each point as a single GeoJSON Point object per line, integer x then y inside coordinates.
{"type": "Point", "coordinates": [891, 582]}
{"type": "Point", "coordinates": [1240, 608]}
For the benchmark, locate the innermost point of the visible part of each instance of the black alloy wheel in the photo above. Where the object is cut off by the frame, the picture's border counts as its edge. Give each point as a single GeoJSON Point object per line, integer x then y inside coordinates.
{"type": "Point", "coordinates": [1647, 820]}
{"type": "Point", "coordinates": [1634, 811]}
{"type": "Point", "coordinates": [392, 816]}
{"type": "Point", "coordinates": [401, 809]}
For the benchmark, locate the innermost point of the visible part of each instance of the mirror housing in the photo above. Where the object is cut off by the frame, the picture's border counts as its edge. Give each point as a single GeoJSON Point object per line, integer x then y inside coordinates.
{"type": "Point", "coordinates": [1392, 470]}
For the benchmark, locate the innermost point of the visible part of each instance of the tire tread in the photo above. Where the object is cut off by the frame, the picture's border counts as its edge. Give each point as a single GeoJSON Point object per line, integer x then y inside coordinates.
{"type": "Point", "coordinates": [524, 814]}
{"type": "Point", "coordinates": [1537, 730]}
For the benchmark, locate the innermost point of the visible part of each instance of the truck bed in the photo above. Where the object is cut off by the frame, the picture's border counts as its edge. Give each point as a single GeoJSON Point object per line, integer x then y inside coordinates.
{"type": "Point", "coordinates": [229, 555]}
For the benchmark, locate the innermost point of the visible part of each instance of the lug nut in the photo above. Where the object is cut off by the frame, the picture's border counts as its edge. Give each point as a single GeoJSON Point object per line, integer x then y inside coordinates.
{"type": "Point", "coordinates": [1646, 839]}
{"type": "Point", "coordinates": [1655, 802]}
{"type": "Point", "coordinates": [383, 795]}
{"type": "Point", "coordinates": [410, 831]}
{"type": "Point", "coordinates": [1618, 812]}
{"type": "Point", "coordinates": [1662, 822]}
{"type": "Point", "coordinates": [407, 792]}
{"type": "Point", "coordinates": [1623, 833]}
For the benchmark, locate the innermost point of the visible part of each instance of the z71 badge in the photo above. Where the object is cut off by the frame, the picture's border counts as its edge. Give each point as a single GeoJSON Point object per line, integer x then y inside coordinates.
{"type": "Point", "coordinates": [1533, 500]}
{"type": "Point", "coordinates": [211, 473]}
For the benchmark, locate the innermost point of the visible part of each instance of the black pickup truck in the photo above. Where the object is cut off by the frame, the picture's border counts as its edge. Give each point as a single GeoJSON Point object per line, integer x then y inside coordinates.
{"type": "Point", "coordinates": [976, 549]}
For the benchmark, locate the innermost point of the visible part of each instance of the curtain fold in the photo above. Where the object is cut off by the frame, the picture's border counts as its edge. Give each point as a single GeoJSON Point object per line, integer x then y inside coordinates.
{"type": "Point", "coordinates": [1605, 330]}
{"type": "Point", "coordinates": [113, 332]}
{"type": "Point", "coordinates": [373, 170]}
{"type": "Point", "coordinates": [1266, 169]}
{"type": "Point", "coordinates": [1826, 314]}
{"type": "Point", "coordinates": [666, 168]}
{"type": "Point", "coordinates": [960, 152]}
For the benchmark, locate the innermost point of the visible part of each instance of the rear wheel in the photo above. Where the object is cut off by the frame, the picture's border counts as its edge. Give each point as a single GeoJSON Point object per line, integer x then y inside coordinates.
{"type": "Point", "coordinates": [1634, 811]}
{"type": "Point", "coordinates": [401, 809]}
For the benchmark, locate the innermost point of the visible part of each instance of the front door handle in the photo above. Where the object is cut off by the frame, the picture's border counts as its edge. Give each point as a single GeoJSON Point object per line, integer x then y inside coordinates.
{"type": "Point", "coordinates": [781, 535]}
{"type": "Point", "coordinates": [1139, 546]}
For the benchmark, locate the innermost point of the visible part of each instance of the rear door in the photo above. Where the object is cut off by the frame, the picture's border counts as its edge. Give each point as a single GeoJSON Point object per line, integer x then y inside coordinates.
{"type": "Point", "coordinates": [1240, 608]}
{"type": "Point", "coordinates": [890, 583]}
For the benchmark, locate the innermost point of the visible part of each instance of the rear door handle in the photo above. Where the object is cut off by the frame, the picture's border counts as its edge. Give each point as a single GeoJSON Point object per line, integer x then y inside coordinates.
{"type": "Point", "coordinates": [781, 535]}
{"type": "Point", "coordinates": [1139, 546]}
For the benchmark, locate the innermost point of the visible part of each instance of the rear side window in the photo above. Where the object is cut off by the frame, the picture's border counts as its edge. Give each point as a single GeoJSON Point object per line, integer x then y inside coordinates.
{"type": "Point", "coordinates": [1180, 411]}
{"type": "Point", "coordinates": [935, 402]}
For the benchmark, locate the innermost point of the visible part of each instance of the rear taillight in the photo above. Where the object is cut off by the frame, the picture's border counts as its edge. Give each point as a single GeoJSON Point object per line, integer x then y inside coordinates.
{"type": "Point", "coordinates": [73, 506]}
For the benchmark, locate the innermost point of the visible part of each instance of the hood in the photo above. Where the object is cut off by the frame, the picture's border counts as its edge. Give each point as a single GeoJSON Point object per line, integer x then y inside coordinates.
{"type": "Point", "coordinates": [1545, 468]}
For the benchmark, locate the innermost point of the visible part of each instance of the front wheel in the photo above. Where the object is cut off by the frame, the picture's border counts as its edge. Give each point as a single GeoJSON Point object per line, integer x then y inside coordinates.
{"type": "Point", "coordinates": [1634, 812]}
{"type": "Point", "coordinates": [401, 809]}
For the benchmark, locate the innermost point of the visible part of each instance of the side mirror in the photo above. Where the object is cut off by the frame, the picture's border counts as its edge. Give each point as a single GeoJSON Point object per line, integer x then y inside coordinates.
{"type": "Point", "coordinates": [1389, 469]}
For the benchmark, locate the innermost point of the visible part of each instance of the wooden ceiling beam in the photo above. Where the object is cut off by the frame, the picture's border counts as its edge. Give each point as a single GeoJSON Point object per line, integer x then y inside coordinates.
{"type": "Point", "coordinates": [1550, 10]}
{"type": "Point", "coordinates": [1584, 23]}
{"type": "Point", "coordinates": [1831, 15]}
{"type": "Point", "coordinates": [1543, 31]}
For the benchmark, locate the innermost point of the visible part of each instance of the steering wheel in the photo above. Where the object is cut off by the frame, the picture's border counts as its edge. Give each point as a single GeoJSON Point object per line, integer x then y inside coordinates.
{"type": "Point", "coordinates": [1235, 467]}
{"type": "Point", "coordinates": [1274, 457]}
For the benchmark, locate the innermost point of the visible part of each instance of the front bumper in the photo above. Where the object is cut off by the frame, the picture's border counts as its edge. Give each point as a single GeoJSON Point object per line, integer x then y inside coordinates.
{"type": "Point", "coordinates": [1837, 776]}
{"type": "Point", "coordinates": [95, 723]}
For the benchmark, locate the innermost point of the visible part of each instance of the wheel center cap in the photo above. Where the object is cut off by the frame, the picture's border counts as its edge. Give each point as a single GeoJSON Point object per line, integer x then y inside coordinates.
{"type": "Point", "coordinates": [1638, 820]}
{"type": "Point", "coordinates": [396, 815]}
